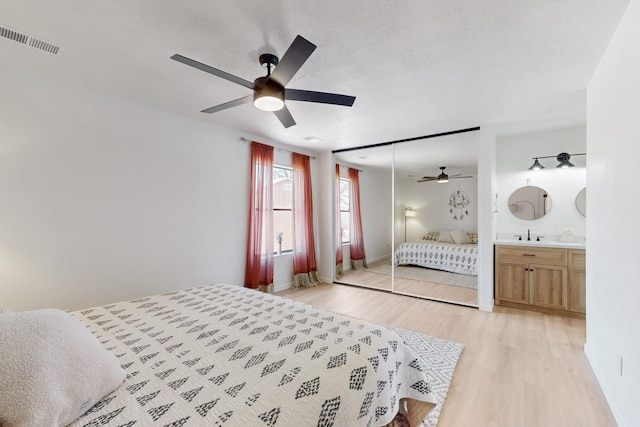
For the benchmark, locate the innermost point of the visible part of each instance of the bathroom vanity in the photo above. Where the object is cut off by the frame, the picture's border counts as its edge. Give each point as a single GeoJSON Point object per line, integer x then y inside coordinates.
{"type": "Point", "coordinates": [547, 277]}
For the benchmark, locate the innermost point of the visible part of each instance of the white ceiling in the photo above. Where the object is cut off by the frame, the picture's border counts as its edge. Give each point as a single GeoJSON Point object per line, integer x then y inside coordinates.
{"type": "Point", "coordinates": [417, 67]}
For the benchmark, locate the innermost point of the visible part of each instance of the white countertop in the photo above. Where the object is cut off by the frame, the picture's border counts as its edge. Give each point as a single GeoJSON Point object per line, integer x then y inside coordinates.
{"type": "Point", "coordinates": [542, 243]}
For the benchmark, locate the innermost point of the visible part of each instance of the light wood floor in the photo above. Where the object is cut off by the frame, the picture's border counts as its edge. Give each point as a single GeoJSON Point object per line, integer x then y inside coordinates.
{"type": "Point", "coordinates": [419, 288]}
{"type": "Point", "coordinates": [518, 368]}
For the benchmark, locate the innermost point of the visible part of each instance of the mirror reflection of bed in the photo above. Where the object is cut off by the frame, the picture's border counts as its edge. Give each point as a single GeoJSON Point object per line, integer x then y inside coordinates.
{"type": "Point", "coordinates": [409, 223]}
{"type": "Point", "coordinates": [438, 267]}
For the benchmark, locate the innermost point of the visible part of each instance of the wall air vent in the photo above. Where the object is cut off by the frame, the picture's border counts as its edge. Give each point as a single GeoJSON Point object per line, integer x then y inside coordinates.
{"type": "Point", "coordinates": [30, 41]}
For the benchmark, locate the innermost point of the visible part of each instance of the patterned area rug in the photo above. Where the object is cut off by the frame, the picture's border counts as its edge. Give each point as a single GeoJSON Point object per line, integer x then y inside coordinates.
{"type": "Point", "coordinates": [439, 358]}
{"type": "Point", "coordinates": [427, 275]}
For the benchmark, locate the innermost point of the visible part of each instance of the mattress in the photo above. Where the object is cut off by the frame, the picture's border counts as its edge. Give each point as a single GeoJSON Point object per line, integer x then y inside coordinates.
{"type": "Point", "coordinates": [227, 355]}
{"type": "Point", "coordinates": [456, 258]}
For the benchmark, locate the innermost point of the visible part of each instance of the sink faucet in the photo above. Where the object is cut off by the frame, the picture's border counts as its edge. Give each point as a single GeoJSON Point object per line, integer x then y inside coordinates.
{"type": "Point", "coordinates": [528, 234]}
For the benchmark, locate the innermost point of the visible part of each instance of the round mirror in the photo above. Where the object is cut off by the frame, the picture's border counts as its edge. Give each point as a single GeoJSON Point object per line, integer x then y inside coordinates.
{"type": "Point", "coordinates": [529, 203]}
{"type": "Point", "coordinates": [581, 201]}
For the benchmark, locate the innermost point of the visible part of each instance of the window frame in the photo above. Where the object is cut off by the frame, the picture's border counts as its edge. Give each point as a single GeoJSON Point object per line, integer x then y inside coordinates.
{"type": "Point", "coordinates": [284, 251]}
{"type": "Point", "coordinates": [348, 187]}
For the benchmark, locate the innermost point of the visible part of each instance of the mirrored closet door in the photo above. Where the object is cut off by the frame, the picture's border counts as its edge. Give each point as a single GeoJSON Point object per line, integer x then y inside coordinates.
{"type": "Point", "coordinates": [363, 186]}
{"type": "Point", "coordinates": [435, 206]}
{"type": "Point", "coordinates": [419, 218]}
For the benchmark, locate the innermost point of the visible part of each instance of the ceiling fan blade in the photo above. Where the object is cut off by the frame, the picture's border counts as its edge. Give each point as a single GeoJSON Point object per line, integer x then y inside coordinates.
{"type": "Point", "coordinates": [234, 103]}
{"type": "Point", "coordinates": [459, 176]}
{"type": "Point", "coordinates": [297, 54]}
{"type": "Point", "coordinates": [214, 71]}
{"type": "Point", "coordinates": [285, 117]}
{"type": "Point", "coordinates": [427, 178]}
{"type": "Point", "coordinates": [322, 97]}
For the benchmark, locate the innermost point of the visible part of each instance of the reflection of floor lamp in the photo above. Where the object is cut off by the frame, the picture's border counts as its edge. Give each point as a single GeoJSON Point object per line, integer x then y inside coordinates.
{"type": "Point", "coordinates": [407, 213]}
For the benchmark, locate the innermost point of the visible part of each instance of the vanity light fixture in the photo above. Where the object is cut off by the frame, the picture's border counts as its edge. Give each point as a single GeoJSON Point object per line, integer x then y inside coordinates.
{"type": "Point", "coordinates": [562, 158]}
{"type": "Point", "coordinates": [536, 166]}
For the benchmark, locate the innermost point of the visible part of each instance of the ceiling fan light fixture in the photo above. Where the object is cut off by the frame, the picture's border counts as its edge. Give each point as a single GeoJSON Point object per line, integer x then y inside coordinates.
{"type": "Point", "coordinates": [443, 177]}
{"type": "Point", "coordinates": [536, 166]}
{"type": "Point", "coordinates": [268, 103]}
{"type": "Point", "coordinates": [268, 97]}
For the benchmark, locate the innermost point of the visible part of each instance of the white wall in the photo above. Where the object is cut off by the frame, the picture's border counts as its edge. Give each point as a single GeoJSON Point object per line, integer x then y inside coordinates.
{"type": "Point", "coordinates": [326, 216]}
{"type": "Point", "coordinates": [430, 200]}
{"type": "Point", "coordinates": [613, 292]}
{"type": "Point", "coordinates": [106, 200]}
{"type": "Point", "coordinates": [514, 157]}
{"type": "Point", "coordinates": [375, 204]}
{"type": "Point", "coordinates": [487, 185]}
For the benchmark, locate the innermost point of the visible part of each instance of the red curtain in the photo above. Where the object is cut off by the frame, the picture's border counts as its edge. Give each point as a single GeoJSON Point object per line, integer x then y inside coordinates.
{"type": "Point", "coordinates": [338, 234]}
{"type": "Point", "coordinates": [259, 264]}
{"type": "Point", "coordinates": [305, 271]}
{"type": "Point", "coordinates": [358, 258]}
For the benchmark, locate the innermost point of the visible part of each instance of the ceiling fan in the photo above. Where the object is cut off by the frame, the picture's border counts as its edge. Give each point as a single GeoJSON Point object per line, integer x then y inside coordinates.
{"type": "Point", "coordinates": [443, 177]}
{"type": "Point", "coordinates": [269, 92]}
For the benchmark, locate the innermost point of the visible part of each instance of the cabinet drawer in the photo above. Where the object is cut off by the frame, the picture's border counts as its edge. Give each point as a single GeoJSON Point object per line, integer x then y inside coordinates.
{"type": "Point", "coordinates": [577, 258]}
{"type": "Point", "coordinates": [548, 256]}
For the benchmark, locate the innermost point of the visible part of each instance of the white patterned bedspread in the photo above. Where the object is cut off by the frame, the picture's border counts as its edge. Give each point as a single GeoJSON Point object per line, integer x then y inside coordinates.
{"type": "Point", "coordinates": [227, 355]}
{"type": "Point", "coordinates": [439, 255]}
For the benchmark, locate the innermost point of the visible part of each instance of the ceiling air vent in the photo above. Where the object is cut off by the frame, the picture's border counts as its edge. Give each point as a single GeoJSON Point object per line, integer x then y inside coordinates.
{"type": "Point", "coordinates": [30, 41]}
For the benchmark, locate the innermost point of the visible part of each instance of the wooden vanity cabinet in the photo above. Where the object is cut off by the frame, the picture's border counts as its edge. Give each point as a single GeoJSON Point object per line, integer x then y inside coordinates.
{"type": "Point", "coordinates": [540, 278]}
{"type": "Point", "coordinates": [577, 281]}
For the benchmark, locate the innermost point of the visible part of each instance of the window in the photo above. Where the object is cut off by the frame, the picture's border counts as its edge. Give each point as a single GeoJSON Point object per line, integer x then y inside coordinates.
{"type": "Point", "coordinates": [282, 209]}
{"type": "Point", "coordinates": [345, 211]}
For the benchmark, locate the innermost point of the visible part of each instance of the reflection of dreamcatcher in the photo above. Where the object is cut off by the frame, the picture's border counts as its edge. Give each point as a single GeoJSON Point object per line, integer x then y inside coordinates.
{"type": "Point", "coordinates": [458, 202]}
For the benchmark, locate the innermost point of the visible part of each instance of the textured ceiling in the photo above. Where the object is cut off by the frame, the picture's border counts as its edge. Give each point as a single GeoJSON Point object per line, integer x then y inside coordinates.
{"type": "Point", "coordinates": [416, 66]}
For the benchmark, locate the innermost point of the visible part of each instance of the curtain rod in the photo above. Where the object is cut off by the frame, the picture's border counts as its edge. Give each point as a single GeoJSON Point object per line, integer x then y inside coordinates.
{"type": "Point", "coordinates": [351, 167]}
{"type": "Point", "coordinates": [381, 144]}
{"type": "Point", "coordinates": [277, 148]}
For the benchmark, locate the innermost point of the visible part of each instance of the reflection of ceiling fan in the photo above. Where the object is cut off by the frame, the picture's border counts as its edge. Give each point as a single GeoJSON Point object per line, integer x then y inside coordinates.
{"type": "Point", "coordinates": [443, 177]}
{"type": "Point", "coordinates": [269, 92]}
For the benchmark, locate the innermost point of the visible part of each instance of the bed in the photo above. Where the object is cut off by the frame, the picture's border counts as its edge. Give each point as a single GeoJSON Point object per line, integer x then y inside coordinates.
{"type": "Point", "coordinates": [454, 257]}
{"type": "Point", "coordinates": [227, 355]}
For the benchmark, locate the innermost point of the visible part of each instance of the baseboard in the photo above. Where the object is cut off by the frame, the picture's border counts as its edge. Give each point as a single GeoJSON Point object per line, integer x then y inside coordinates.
{"type": "Point", "coordinates": [282, 286]}
{"type": "Point", "coordinates": [487, 308]}
{"type": "Point", "coordinates": [380, 258]}
{"type": "Point", "coordinates": [603, 386]}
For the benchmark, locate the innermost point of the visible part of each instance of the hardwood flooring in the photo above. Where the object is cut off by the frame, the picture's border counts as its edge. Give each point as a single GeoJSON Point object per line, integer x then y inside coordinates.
{"type": "Point", "coordinates": [518, 368]}
{"type": "Point", "coordinates": [418, 288]}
